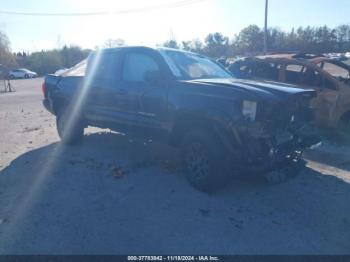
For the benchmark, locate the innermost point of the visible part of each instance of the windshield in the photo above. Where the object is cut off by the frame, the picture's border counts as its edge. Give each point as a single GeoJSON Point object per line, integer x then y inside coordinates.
{"type": "Point", "coordinates": [190, 66]}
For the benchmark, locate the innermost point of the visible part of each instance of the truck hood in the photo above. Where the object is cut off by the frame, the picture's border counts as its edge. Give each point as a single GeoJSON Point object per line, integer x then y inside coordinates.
{"type": "Point", "coordinates": [260, 89]}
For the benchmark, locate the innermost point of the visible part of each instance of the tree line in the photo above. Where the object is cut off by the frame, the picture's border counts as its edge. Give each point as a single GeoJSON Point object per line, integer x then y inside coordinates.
{"type": "Point", "coordinates": [49, 61]}
{"type": "Point", "coordinates": [249, 41]}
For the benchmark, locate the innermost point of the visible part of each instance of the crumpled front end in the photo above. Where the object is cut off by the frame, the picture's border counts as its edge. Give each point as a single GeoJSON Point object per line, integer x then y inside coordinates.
{"type": "Point", "coordinates": [278, 136]}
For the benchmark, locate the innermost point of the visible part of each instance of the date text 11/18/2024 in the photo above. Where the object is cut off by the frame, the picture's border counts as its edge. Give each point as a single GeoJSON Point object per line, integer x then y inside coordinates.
{"type": "Point", "coordinates": [173, 258]}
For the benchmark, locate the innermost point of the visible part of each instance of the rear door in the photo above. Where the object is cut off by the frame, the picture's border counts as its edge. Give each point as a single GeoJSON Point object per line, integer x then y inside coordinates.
{"type": "Point", "coordinates": [332, 87]}
{"type": "Point", "coordinates": [313, 78]}
{"type": "Point", "coordinates": [101, 87]}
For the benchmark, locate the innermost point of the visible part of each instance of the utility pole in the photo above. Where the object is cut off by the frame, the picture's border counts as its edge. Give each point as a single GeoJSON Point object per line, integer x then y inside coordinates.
{"type": "Point", "coordinates": [265, 30]}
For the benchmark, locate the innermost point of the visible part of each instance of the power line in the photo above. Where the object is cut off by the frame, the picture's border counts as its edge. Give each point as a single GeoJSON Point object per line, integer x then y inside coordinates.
{"type": "Point", "coordinates": [51, 14]}
{"type": "Point", "coordinates": [117, 12]}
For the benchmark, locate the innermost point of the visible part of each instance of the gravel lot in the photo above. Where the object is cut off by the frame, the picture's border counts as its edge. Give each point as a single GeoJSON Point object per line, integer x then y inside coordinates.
{"type": "Point", "coordinates": [114, 196]}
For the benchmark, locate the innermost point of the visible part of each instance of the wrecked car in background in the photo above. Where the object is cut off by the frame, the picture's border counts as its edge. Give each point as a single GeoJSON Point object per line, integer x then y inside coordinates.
{"type": "Point", "coordinates": [222, 125]}
{"type": "Point", "coordinates": [329, 77]}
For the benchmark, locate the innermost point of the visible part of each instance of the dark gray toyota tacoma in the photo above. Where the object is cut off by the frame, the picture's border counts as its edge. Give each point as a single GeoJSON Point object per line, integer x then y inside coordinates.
{"type": "Point", "coordinates": [223, 126]}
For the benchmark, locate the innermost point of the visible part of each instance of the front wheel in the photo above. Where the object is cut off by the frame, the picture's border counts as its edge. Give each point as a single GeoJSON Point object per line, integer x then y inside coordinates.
{"type": "Point", "coordinates": [204, 160]}
{"type": "Point", "coordinates": [71, 131]}
{"type": "Point", "coordinates": [26, 76]}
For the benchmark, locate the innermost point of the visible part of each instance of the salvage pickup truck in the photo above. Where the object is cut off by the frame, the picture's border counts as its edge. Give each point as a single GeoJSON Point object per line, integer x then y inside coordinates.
{"type": "Point", "coordinates": [223, 126]}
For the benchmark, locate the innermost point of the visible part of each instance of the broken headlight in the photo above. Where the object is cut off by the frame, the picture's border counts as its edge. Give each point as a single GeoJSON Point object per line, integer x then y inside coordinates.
{"type": "Point", "coordinates": [249, 109]}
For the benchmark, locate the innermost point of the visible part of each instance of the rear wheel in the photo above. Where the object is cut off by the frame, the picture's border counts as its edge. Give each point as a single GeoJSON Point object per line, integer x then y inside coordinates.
{"type": "Point", "coordinates": [71, 131]}
{"type": "Point", "coordinates": [204, 160]}
{"type": "Point", "coordinates": [12, 77]}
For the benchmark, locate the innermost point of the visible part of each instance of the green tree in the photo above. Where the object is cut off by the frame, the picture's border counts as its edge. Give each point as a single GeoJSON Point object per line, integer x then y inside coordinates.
{"type": "Point", "coordinates": [44, 62]}
{"type": "Point", "coordinates": [217, 45]}
{"type": "Point", "coordinates": [194, 45]}
{"type": "Point", "coordinates": [277, 40]}
{"type": "Point", "coordinates": [250, 40]}
{"type": "Point", "coordinates": [6, 57]}
{"type": "Point", "coordinates": [49, 61]}
{"type": "Point", "coordinates": [171, 44]}
{"type": "Point", "coordinates": [342, 34]}
{"type": "Point", "coordinates": [72, 55]}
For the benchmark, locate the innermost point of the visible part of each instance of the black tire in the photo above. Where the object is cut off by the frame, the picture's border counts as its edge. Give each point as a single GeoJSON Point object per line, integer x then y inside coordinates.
{"type": "Point", "coordinates": [292, 168]}
{"type": "Point", "coordinates": [295, 167]}
{"type": "Point", "coordinates": [26, 76]}
{"type": "Point", "coordinates": [70, 131]}
{"type": "Point", "coordinates": [205, 162]}
{"type": "Point", "coordinates": [12, 77]}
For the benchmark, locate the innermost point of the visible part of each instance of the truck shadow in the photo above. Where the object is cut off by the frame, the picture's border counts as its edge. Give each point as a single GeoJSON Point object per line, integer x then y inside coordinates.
{"type": "Point", "coordinates": [336, 160]}
{"type": "Point", "coordinates": [110, 195]}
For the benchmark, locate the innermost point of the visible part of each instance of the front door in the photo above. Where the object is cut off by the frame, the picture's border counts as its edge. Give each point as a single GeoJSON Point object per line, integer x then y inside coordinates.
{"type": "Point", "coordinates": [143, 92]}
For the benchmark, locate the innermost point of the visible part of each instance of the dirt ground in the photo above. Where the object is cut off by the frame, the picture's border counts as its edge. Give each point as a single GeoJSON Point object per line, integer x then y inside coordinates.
{"type": "Point", "coordinates": [115, 196]}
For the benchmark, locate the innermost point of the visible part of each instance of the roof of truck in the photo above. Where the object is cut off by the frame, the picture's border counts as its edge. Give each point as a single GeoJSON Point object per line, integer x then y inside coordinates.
{"type": "Point", "coordinates": [141, 47]}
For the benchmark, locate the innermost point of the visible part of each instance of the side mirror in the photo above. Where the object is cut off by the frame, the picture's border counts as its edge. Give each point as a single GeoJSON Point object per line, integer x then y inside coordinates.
{"type": "Point", "coordinates": [153, 77]}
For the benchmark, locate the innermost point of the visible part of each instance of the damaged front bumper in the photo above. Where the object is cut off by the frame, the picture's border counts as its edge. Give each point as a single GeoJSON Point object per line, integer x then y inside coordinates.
{"type": "Point", "coordinates": [264, 149]}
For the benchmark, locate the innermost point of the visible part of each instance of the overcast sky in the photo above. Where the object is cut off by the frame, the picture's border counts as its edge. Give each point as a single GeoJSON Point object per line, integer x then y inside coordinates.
{"type": "Point", "coordinates": [194, 20]}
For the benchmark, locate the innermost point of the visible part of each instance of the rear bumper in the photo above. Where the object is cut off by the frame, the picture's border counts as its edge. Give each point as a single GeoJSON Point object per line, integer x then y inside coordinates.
{"type": "Point", "coordinates": [48, 105]}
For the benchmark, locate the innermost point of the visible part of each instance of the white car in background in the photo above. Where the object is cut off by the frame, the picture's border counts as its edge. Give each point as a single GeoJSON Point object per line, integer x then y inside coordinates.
{"type": "Point", "coordinates": [22, 73]}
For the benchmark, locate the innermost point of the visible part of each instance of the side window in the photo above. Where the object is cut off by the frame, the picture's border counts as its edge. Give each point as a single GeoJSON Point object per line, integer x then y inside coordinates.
{"type": "Point", "coordinates": [136, 65]}
{"type": "Point", "coordinates": [245, 71]}
{"type": "Point", "coordinates": [241, 69]}
{"type": "Point", "coordinates": [294, 73]}
{"type": "Point", "coordinates": [267, 70]}
{"type": "Point", "coordinates": [334, 70]}
{"type": "Point", "coordinates": [311, 78]}
{"type": "Point", "coordinates": [295, 68]}
{"type": "Point", "coordinates": [103, 66]}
